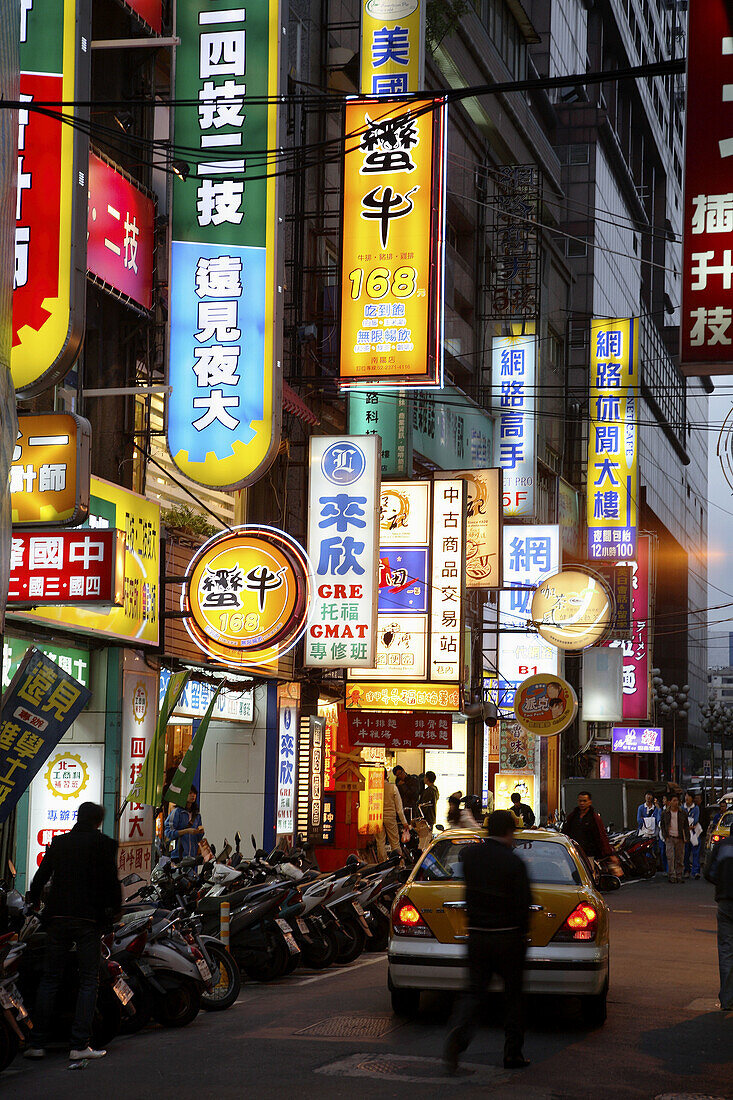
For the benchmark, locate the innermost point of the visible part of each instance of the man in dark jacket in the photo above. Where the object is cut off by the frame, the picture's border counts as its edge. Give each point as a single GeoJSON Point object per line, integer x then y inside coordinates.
{"type": "Point", "coordinates": [719, 869]}
{"type": "Point", "coordinates": [497, 902]}
{"type": "Point", "coordinates": [525, 812]}
{"type": "Point", "coordinates": [409, 787]}
{"type": "Point", "coordinates": [84, 894]}
{"type": "Point", "coordinates": [584, 826]}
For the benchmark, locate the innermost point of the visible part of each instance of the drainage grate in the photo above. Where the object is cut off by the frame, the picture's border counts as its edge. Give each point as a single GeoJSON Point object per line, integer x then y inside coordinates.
{"type": "Point", "coordinates": [400, 1067]}
{"type": "Point", "coordinates": [352, 1027]}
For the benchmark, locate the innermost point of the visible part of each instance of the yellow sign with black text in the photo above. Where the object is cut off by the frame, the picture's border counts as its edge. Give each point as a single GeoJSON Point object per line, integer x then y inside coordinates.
{"type": "Point", "coordinates": [393, 243]}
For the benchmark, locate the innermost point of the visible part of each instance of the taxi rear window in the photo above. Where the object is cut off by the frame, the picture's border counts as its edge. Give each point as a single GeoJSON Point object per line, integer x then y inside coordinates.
{"type": "Point", "coordinates": [443, 861]}
{"type": "Point", "coordinates": [547, 862]}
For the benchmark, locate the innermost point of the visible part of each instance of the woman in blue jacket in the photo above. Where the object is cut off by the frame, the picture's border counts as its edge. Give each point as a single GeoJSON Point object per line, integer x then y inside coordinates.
{"type": "Point", "coordinates": [183, 828]}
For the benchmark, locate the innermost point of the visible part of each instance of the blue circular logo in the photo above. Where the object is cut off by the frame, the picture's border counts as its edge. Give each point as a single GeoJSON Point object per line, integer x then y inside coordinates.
{"type": "Point", "coordinates": [343, 463]}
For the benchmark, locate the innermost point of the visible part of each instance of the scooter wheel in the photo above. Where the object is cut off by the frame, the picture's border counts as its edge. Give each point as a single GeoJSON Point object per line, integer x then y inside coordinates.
{"type": "Point", "coordinates": [357, 939]}
{"type": "Point", "coordinates": [320, 953]}
{"type": "Point", "coordinates": [179, 1006]}
{"type": "Point", "coordinates": [8, 1045]}
{"type": "Point", "coordinates": [225, 993]}
{"type": "Point", "coordinates": [274, 966]}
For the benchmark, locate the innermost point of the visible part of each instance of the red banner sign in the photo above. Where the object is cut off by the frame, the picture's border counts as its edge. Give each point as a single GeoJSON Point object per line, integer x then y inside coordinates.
{"type": "Point", "coordinates": [147, 11]}
{"type": "Point", "coordinates": [86, 566]}
{"type": "Point", "coordinates": [121, 227]}
{"type": "Point", "coordinates": [706, 345]}
{"type": "Point", "coordinates": [400, 731]}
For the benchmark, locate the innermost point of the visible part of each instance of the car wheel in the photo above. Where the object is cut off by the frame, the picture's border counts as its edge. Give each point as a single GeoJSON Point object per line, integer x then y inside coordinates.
{"type": "Point", "coordinates": [405, 1002]}
{"type": "Point", "coordinates": [595, 1008]}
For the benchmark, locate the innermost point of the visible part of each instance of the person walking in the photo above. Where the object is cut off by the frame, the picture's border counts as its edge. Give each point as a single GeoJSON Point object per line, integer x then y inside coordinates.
{"type": "Point", "coordinates": [675, 833]}
{"type": "Point", "coordinates": [525, 812]}
{"type": "Point", "coordinates": [585, 827]}
{"type": "Point", "coordinates": [718, 868]}
{"type": "Point", "coordinates": [409, 789]}
{"type": "Point", "coordinates": [429, 800]}
{"type": "Point", "coordinates": [392, 812]}
{"type": "Point", "coordinates": [648, 815]}
{"type": "Point", "coordinates": [692, 846]}
{"type": "Point", "coordinates": [498, 898]}
{"type": "Point", "coordinates": [84, 896]}
{"type": "Point", "coordinates": [183, 828]}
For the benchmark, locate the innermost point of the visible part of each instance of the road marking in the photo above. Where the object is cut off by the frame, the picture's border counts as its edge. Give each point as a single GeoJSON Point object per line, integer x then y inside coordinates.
{"type": "Point", "coordinates": [342, 970]}
{"type": "Point", "coordinates": [621, 910]}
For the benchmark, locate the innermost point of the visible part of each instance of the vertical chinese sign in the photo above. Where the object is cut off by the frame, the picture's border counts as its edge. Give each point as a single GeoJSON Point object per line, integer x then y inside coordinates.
{"type": "Point", "coordinates": [310, 801]}
{"type": "Point", "coordinates": [707, 267]}
{"type": "Point", "coordinates": [422, 570]}
{"type": "Point", "coordinates": [530, 554]}
{"type": "Point", "coordinates": [51, 213]}
{"type": "Point", "coordinates": [387, 415]}
{"type": "Point", "coordinates": [635, 648]}
{"type": "Point", "coordinates": [393, 243]}
{"type": "Point", "coordinates": [286, 759]}
{"type": "Point", "coordinates": [139, 716]}
{"type": "Point", "coordinates": [225, 298]}
{"type": "Point", "coordinates": [484, 524]}
{"type": "Point", "coordinates": [448, 580]}
{"type": "Point", "coordinates": [513, 387]}
{"type": "Point", "coordinates": [343, 544]}
{"type": "Point", "coordinates": [613, 461]}
{"type": "Point", "coordinates": [515, 277]}
{"type": "Point", "coordinates": [392, 47]}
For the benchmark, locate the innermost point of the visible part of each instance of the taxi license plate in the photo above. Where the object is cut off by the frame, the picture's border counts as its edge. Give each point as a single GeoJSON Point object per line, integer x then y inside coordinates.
{"type": "Point", "coordinates": [123, 991]}
{"type": "Point", "coordinates": [288, 936]}
{"type": "Point", "coordinates": [203, 969]}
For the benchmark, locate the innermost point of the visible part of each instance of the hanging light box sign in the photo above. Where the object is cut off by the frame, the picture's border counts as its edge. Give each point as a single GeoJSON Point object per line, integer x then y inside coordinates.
{"type": "Point", "coordinates": [120, 233]}
{"type": "Point", "coordinates": [343, 541]}
{"type": "Point", "coordinates": [224, 365]}
{"type": "Point", "coordinates": [513, 388]}
{"type": "Point", "coordinates": [601, 685]}
{"type": "Point", "coordinates": [246, 596]}
{"type": "Point", "coordinates": [393, 243]}
{"type": "Point", "coordinates": [572, 609]}
{"type": "Point", "coordinates": [49, 288]}
{"type": "Point", "coordinates": [49, 474]}
{"type": "Point", "coordinates": [392, 55]}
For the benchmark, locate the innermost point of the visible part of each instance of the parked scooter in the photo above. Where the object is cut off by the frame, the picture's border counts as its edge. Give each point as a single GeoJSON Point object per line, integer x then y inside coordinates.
{"type": "Point", "coordinates": [14, 1019]}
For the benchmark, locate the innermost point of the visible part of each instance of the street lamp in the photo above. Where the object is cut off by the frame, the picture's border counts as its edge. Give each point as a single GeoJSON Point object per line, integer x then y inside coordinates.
{"type": "Point", "coordinates": [717, 722]}
{"type": "Point", "coordinates": [671, 703]}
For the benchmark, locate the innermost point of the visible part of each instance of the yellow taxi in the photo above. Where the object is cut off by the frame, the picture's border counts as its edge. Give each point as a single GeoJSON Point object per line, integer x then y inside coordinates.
{"type": "Point", "coordinates": [568, 936]}
{"type": "Point", "coordinates": [722, 827]}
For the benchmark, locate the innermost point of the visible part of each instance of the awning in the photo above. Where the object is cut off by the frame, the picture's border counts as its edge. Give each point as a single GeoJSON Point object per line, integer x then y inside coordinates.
{"type": "Point", "coordinates": [295, 405]}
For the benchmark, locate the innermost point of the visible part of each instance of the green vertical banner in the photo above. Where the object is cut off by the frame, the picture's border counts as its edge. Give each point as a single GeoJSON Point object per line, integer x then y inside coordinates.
{"type": "Point", "coordinates": [224, 410]}
{"type": "Point", "coordinates": [148, 787]}
{"type": "Point", "coordinates": [384, 413]}
{"type": "Point", "coordinates": [179, 787]}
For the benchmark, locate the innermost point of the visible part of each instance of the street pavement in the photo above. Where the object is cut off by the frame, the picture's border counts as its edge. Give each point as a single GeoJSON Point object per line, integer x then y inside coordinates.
{"type": "Point", "coordinates": [332, 1034]}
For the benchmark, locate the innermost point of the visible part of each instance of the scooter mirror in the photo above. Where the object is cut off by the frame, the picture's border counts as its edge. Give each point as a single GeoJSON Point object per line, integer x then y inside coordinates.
{"type": "Point", "coordinates": [440, 828]}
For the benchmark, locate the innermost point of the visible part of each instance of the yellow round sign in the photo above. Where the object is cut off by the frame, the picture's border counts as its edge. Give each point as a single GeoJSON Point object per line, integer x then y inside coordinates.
{"type": "Point", "coordinates": [545, 704]}
{"type": "Point", "coordinates": [573, 609]}
{"type": "Point", "coordinates": [247, 594]}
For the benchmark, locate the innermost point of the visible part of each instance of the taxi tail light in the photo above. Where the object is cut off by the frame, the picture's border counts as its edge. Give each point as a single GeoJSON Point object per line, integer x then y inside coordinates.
{"type": "Point", "coordinates": [406, 920]}
{"type": "Point", "coordinates": [580, 927]}
{"type": "Point", "coordinates": [715, 838]}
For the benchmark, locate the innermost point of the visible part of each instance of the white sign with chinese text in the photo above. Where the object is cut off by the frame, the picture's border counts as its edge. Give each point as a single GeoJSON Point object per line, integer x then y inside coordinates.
{"type": "Point", "coordinates": [139, 716]}
{"type": "Point", "coordinates": [513, 382]}
{"type": "Point", "coordinates": [448, 580]}
{"type": "Point", "coordinates": [72, 774]}
{"type": "Point", "coordinates": [343, 544]}
{"type": "Point", "coordinates": [530, 554]}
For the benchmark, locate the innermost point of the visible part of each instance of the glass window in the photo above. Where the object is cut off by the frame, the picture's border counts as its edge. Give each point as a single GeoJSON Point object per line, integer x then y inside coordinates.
{"type": "Point", "coordinates": [546, 861]}
{"type": "Point", "coordinates": [443, 862]}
